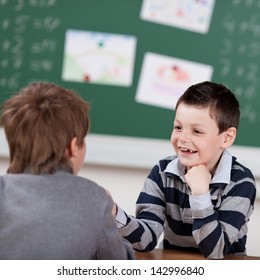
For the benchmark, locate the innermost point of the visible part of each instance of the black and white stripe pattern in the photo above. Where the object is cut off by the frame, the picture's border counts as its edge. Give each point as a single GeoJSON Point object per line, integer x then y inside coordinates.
{"type": "Point", "coordinates": [214, 223]}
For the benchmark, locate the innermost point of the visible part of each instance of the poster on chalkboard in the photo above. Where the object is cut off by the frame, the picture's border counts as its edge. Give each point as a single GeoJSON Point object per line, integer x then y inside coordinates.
{"type": "Point", "coordinates": [191, 15]}
{"type": "Point", "coordinates": [163, 79]}
{"type": "Point", "coordinates": [99, 58]}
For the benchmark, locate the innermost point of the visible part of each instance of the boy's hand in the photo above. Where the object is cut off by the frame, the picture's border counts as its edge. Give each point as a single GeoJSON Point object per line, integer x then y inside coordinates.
{"type": "Point", "coordinates": [198, 179]}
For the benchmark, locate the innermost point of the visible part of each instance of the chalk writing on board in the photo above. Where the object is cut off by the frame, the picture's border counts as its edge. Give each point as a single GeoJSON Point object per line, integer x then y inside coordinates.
{"type": "Point", "coordinates": [32, 41]}
{"type": "Point", "coordinates": [241, 39]}
{"type": "Point", "coordinates": [20, 4]}
{"type": "Point", "coordinates": [15, 48]}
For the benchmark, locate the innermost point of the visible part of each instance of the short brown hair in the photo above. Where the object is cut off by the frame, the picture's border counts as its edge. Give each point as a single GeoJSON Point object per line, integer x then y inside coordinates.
{"type": "Point", "coordinates": [223, 104]}
{"type": "Point", "coordinates": [39, 123]}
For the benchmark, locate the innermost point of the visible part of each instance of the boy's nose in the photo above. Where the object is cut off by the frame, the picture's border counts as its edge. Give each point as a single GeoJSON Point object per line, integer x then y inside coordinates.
{"type": "Point", "coordinates": [184, 137]}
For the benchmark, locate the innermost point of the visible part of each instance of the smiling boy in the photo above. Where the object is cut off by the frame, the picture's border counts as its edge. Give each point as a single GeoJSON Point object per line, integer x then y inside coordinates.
{"type": "Point", "coordinates": [202, 197]}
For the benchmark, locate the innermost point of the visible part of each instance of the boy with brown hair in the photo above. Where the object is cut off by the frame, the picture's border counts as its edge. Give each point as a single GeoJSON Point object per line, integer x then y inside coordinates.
{"type": "Point", "coordinates": [46, 211]}
{"type": "Point", "coordinates": [202, 197]}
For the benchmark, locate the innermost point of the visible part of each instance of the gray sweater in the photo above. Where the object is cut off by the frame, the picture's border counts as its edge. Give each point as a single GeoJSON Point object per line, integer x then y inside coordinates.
{"type": "Point", "coordinates": [57, 216]}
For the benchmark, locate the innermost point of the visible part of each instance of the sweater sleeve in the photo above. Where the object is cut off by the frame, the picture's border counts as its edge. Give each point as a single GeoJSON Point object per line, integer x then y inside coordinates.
{"type": "Point", "coordinates": [144, 230]}
{"type": "Point", "coordinates": [221, 229]}
{"type": "Point", "coordinates": [111, 244]}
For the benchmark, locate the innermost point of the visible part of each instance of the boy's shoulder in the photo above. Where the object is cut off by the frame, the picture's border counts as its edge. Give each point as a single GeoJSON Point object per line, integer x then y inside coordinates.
{"type": "Point", "coordinates": [163, 163]}
{"type": "Point", "coordinates": [61, 180]}
{"type": "Point", "coordinates": [238, 170]}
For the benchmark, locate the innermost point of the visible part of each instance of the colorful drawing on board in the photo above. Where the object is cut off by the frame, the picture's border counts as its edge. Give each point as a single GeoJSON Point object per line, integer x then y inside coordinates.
{"type": "Point", "coordinates": [163, 79]}
{"type": "Point", "coordinates": [99, 58]}
{"type": "Point", "coordinates": [193, 15]}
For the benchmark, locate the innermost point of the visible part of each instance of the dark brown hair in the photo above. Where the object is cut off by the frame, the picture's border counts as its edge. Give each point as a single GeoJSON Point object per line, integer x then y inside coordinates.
{"type": "Point", "coordinates": [39, 123]}
{"type": "Point", "coordinates": [223, 104]}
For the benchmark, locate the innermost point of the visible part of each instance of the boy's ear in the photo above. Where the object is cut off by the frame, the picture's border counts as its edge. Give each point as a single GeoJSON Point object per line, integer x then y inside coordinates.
{"type": "Point", "coordinates": [229, 137]}
{"type": "Point", "coordinates": [73, 148]}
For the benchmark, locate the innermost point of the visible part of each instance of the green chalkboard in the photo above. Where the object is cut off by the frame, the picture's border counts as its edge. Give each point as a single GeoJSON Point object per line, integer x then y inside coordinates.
{"type": "Point", "coordinates": [32, 42]}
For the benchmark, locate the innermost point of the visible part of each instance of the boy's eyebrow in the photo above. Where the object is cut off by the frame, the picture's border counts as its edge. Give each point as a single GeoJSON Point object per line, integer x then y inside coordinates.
{"type": "Point", "coordinates": [192, 124]}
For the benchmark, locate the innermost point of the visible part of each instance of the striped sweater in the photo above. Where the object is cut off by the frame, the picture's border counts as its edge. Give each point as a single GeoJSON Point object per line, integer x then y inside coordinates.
{"type": "Point", "coordinates": [215, 223]}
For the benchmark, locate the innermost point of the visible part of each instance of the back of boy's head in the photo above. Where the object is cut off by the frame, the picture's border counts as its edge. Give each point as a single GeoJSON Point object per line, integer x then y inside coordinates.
{"type": "Point", "coordinates": [223, 104]}
{"type": "Point", "coordinates": [39, 123]}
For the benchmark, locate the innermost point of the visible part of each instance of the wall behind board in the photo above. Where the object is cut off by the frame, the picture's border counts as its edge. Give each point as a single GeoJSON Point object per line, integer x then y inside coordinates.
{"type": "Point", "coordinates": [33, 39]}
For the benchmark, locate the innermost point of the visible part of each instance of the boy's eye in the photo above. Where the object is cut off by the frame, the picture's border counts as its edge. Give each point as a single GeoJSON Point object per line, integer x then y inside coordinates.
{"type": "Point", "coordinates": [177, 127]}
{"type": "Point", "coordinates": [196, 131]}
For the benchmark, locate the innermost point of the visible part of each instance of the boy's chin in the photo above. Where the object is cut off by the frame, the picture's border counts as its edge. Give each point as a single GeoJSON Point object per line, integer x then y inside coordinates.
{"type": "Point", "coordinates": [188, 164]}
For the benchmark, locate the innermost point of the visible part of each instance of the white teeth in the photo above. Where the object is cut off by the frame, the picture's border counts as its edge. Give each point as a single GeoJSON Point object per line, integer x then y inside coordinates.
{"type": "Point", "coordinates": [187, 150]}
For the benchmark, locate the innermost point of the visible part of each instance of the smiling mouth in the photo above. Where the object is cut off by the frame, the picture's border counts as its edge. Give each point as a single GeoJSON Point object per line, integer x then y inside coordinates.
{"type": "Point", "coordinates": [187, 151]}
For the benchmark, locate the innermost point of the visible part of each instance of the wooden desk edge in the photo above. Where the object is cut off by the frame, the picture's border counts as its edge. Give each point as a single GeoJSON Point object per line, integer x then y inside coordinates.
{"type": "Point", "coordinates": [164, 254]}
